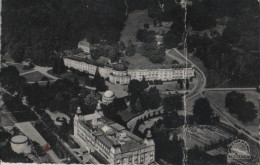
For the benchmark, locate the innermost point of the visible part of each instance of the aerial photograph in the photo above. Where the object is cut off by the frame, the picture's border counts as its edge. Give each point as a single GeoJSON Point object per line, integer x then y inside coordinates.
{"type": "Point", "coordinates": [131, 82]}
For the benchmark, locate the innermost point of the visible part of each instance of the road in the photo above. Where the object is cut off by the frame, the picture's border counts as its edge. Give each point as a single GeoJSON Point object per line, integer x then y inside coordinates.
{"type": "Point", "coordinates": [42, 70]}
{"type": "Point", "coordinates": [202, 84]}
{"type": "Point", "coordinates": [230, 89]}
{"type": "Point", "coordinates": [232, 124]}
{"type": "Point", "coordinates": [201, 89]}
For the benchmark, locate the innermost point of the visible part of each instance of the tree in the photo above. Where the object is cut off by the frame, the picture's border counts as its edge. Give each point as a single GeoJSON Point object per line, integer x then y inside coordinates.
{"type": "Point", "coordinates": [173, 103]}
{"type": "Point", "coordinates": [237, 104]}
{"type": "Point", "coordinates": [146, 26]}
{"type": "Point", "coordinates": [155, 98]}
{"type": "Point", "coordinates": [144, 83]}
{"type": "Point", "coordinates": [187, 84]}
{"type": "Point", "coordinates": [180, 82]}
{"type": "Point", "coordinates": [58, 65]}
{"type": "Point", "coordinates": [74, 103]}
{"type": "Point", "coordinates": [99, 81]}
{"type": "Point", "coordinates": [137, 107]}
{"type": "Point", "coordinates": [202, 112]}
{"type": "Point", "coordinates": [23, 36]}
{"type": "Point", "coordinates": [135, 86]}
{"type": "Point", "coordinates": [121, 46]}
{"type": "Point", "coordinates": [91, 101]}
{"type": "Point", "coordinates": [233, 98]}
{"type": "Point", "coordinates": [110, 112]}
{"type": "Point", "coordinates": [10, 79]}
{"type": "Point", "coordinates": [201, 17]}
{"type": "Point", "coordinates": [130, 50]}
{"type": "Point", "coordinates": [114, 54]}
{"type": "Point", "coordinates": [95, 53]}
{"type": "Point", "coordinates": [231, 34]}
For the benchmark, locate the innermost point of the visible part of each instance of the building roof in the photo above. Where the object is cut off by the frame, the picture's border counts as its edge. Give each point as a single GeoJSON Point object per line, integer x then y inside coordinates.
{"type": "Point", "coordinates": [99, 62]}
{"type": "Point", "coordinates": [106, 129]}
{"type": "Point", "coordinates": [92, 116]}
{"type": "Point", "coordinates": [117, 126]}
{"type": "Point", "coordinates": [84, 43]}
{"type": "Point", "coordinates": [112, 134]}
{"type": "Point", "coordinates": [19, 139]}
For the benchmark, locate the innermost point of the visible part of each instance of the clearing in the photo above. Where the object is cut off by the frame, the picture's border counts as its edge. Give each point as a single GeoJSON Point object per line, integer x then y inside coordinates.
{"type": "Point", "coordinates": [218, 99]}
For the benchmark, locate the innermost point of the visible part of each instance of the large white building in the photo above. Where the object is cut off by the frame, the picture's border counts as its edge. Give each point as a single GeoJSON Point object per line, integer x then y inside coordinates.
{"type": "Point", "coordinates": [119, 74]}
{"type": "Point", "coordinates": [111, 141]}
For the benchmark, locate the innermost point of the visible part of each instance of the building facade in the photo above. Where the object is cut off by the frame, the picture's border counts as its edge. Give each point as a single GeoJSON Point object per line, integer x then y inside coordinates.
{"type": "Point", "coordinates": [112, 141]}
{"type": "Point", "coordinates": [124, 76]}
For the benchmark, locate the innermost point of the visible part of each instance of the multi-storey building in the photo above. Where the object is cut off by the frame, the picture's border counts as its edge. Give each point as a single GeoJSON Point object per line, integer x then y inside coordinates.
{"type": "Point", "coordinates": [112, 141]}
{"type": "Point", "coordinates": [119, 74]}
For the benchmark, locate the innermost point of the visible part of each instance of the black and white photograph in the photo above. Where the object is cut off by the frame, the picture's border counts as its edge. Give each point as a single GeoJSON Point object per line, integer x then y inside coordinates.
{"type": "Point", "coordinates": [130, 82]}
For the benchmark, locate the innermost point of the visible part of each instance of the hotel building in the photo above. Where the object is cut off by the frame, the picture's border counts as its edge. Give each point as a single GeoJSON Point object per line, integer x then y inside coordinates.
{"type": "Point", "coordinates": [119, 74]}
{"type": "Point", "coordinates": [111, 141]}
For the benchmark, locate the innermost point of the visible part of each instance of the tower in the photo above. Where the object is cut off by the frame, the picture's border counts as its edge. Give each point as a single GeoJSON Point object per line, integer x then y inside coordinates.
{"type": "Point", "coordinates": [76, 120]}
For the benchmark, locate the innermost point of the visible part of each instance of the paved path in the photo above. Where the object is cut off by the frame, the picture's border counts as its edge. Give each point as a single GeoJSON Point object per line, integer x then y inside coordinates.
{"type": "Point", "coordinates": [33, 134]}
{"type": "Point", "coordinates": [232, 124]}
{"type": "Point", "coordinates": [202, 84]}
{"type": "Point", "coordinates": [168, 53]}
{"type": "Point", "coordinates": [44, 71]}
{"type": "Point", "coordinates": [230, 89]}
{"type": "Point", "coordinates": [201, 91]}
{"type": "Point", "coordinates": [31, 71]}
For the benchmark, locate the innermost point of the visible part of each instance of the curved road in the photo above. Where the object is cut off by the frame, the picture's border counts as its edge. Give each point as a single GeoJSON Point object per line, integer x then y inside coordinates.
{"type": "Point", "coordinates": [200, 86]}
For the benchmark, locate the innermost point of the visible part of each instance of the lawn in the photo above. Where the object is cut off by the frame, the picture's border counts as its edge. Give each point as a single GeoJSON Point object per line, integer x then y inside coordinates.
{"type": "Point", "coordinates": [19, 67]}
{"type": "Point", "coordinates": [119, 90]}
{"type": "Point", "coordinates": [218, 99]}
{"type": "Point", "coordinates": [171, 86]}
{"type": "Point", "coordinates": [135, 21]}
{"type": "Point", "coordinates": [34, 76]}
{"type": "Point", "coordinates": [127, 115]}
{"type": "Point", "coordinates": [144, 62]}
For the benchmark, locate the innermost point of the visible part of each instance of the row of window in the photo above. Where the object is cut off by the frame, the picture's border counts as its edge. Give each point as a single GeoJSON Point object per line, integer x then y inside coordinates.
{"type": "Point", "coordinates": [143, 157]}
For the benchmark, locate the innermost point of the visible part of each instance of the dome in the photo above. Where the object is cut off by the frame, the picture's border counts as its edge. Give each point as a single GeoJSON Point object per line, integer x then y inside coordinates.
{"type": "Point", "coordinates": [109, 94]}
{"type": "Point", "coordinates": [19, 139]}
{"type": "Point", "coordinates": [19, 144]}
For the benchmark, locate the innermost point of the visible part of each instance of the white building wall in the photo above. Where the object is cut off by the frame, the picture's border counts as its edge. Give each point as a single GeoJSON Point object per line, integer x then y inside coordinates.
{"type": "Point", "coordinates": [123, 77]}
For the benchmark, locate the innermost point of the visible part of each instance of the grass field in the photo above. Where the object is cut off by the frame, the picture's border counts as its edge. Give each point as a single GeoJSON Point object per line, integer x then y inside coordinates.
{"type": "Point", "coordinates": [138, 61]}
{"type": "Point", "coordinates": [34, 76]}
{"type": "Point", "coordinates": [218, 99]}
{"type": "Point", "coordinates": [135, 21]}
{"type": "Point", "coordinates": [20, 68]}
{"type": "Point", "coordinates": [127, 115]}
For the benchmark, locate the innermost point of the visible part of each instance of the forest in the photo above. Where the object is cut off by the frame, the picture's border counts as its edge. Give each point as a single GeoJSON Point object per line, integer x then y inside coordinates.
{"type": "Point", "coordinates": [36, 29]}
{"type": "Point", "coordinates": [39, 29]}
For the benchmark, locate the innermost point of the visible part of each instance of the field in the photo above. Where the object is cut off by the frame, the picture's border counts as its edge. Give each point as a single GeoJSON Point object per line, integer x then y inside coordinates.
{"type": "Point", "coordinates": [119, 90]}
{"type": "Point", "coordinates": [34, 76]}
{"type": "Point", "coordinates": [135, 21]}
{"type": "Point", "coordinates": [218, 99]}
{"type": "Point", "coordinates": [127, 115]}
{"type": "Point", "coordinates": [19, 67]}
{"type": "Point", "coordinates": [143, 62]}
